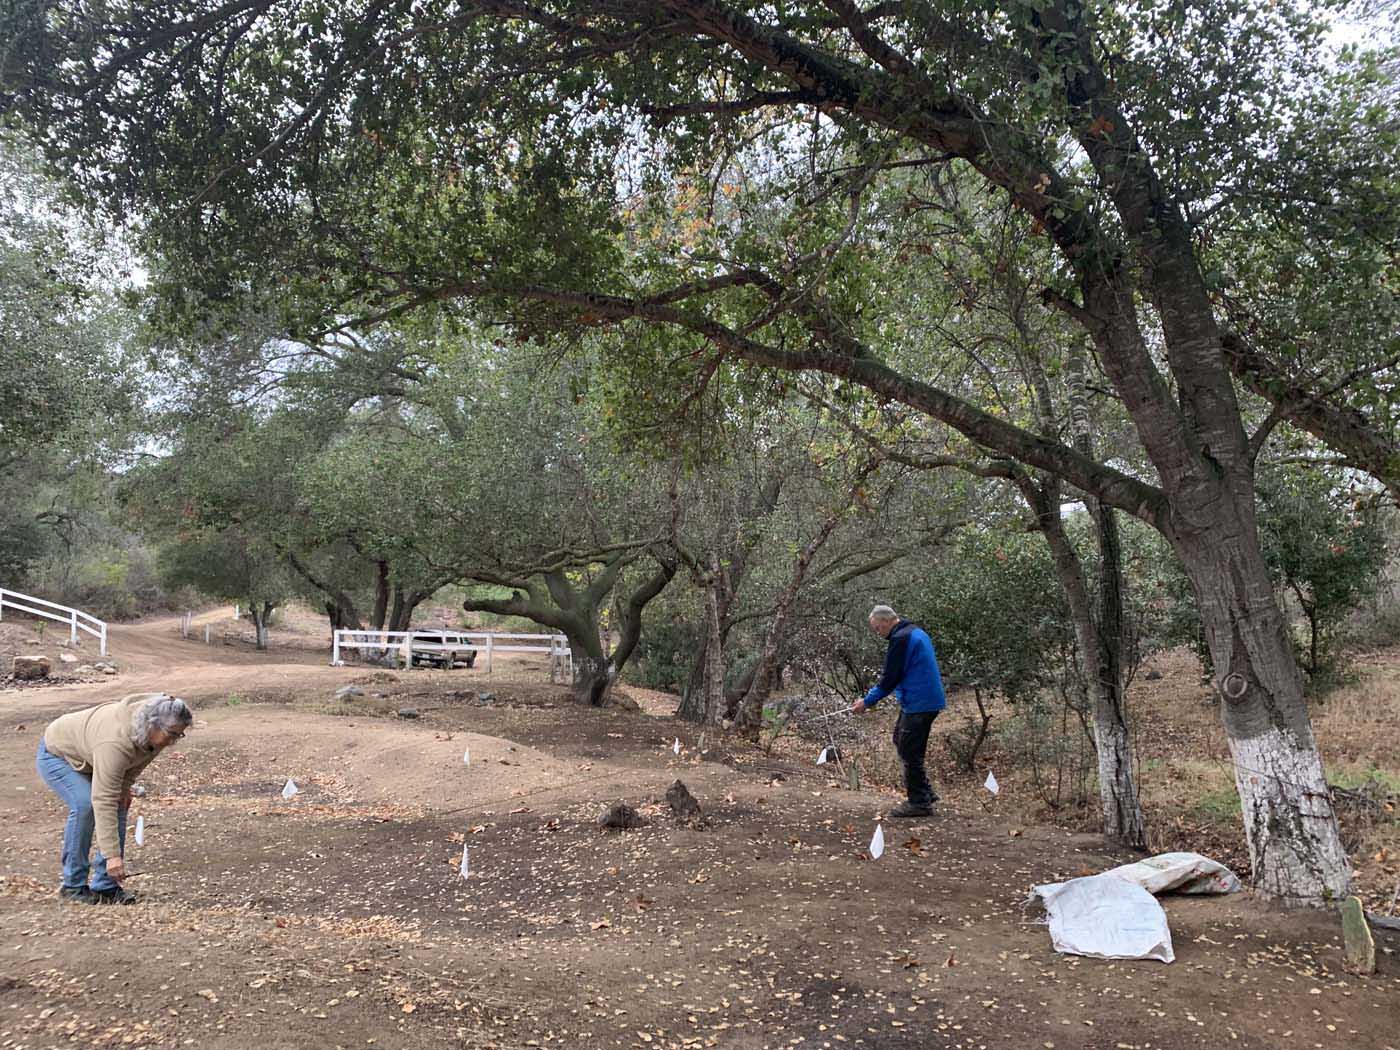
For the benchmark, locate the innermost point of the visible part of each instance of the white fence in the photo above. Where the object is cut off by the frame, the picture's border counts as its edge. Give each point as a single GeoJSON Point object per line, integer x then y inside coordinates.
{"type": "Point", "coordinates": [406, 643]}
{"type": "Point", "coordinates": [76, 619]}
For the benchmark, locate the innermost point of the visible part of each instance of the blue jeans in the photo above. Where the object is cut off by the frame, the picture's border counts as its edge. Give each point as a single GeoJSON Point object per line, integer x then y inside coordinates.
{"type": "Point", "coordinates": [76, 790]}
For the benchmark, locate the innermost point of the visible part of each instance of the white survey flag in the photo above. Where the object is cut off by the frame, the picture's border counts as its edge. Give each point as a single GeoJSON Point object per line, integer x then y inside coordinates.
{"type": "Point", "coordinates": [140, 831]}
{"type": "Point", "coordinates": [676, 747]}
{"type": "Point", "coordinates": [991, 783]}
{"type": "Point", "coordinates": [877, 843]}
{"type": "Point", "coordinates": [821, 759]}
{"type": "Point", "coordinates": [290, 789]}
{"type": "Point", "coordinates": [467, 757]}
{"type": "Point", "coordinates": [465, 869]}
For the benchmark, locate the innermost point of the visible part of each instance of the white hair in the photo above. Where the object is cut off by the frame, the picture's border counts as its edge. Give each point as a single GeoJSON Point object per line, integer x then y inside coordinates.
{"type": "Point", "coordinates": [883, 613]}
{"type": "Point", "coordinates": [160, 712]}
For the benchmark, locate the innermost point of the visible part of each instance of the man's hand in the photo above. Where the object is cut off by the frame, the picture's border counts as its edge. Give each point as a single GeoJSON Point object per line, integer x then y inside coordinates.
{"type": "Point", "coordinates": [858, 707]}
{"type": "Point", "coordinates": [116, 868]}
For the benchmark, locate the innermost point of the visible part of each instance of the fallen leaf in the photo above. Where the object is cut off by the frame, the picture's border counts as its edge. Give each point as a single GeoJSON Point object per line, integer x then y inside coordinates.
{"type": "Point", "coordinates": [520, 809]}
{"type": "Point", "coordinates": [601, 924]}
{"type": "Point", "coordinates": [914, 846]}
{"type": "Point", "coordinates": [408, 1008]}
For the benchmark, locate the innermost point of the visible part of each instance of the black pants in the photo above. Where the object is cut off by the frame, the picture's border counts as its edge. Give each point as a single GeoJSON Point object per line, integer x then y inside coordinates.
{"type": "Point", "coordinates": [911, 741]}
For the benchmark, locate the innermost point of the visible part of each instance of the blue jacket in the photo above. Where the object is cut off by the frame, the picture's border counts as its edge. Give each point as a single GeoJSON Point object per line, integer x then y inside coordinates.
{"type": "Point", "coordinates": [911, 671]}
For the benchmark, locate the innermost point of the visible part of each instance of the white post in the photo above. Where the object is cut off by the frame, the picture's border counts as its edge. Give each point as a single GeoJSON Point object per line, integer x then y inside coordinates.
{"type": "Point", "coordinates": [102, 642]}
{"type": "Point", "coordinates": [335, 648]}
{"type": "Point", "coordinates": [73, 627]}
{"type": "Point", "coordinates": [488, 654]}
{"type": "Point", "coordinates": [235, 612]}
{"type": "Point", "coordinates": [206, 634]}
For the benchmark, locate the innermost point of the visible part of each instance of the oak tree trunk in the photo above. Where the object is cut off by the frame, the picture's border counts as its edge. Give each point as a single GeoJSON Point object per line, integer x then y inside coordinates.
{"type": "Point", "coordinates": [1290, 825]}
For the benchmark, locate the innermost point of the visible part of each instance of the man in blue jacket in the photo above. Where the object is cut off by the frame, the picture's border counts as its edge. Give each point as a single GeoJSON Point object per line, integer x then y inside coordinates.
{"type": "Point", "coordinates": [911, 673]}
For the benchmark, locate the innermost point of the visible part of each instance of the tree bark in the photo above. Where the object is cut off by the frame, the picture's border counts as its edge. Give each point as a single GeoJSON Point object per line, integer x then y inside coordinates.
{"type": "Point", "coordinates": [260, 611]}
{"type": "Point", "coordinates": [1123, 818]}
{"type": "Point", "coordinates": [749, 716]}
{"type": "Point", "coordinates": [381, 594]}
{"type": "Point", "coordinates": [574, 611]}
{"type": "Point", "coordinates": [1122, 811]}
{"type": "Point", "coordinates": [1289, 820]}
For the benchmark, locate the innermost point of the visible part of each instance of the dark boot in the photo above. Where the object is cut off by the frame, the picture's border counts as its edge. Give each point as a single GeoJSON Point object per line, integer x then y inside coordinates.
{"type": "Point", "coordinates": [909, 810]}
{"type": "Point", "coordinates": [113, 896]}
{"type": "Point", "coordinates": [77, 895]}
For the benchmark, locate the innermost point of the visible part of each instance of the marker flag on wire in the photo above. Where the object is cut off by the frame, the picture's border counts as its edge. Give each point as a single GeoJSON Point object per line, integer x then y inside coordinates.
{"type": "Point", "coordinates": [290, 789]}
{"type": "Point", "coordinates": [465, 869]}
{"type": "Point", "coordinates": [991, 783]}
{"type": "Point", "coordinates": [467, 757]}
{"type": "Point", "coordinates": [676, 747]}
{"type": "Point", "coordinates": [140, 831]}
{"type": "Point", "coordinates": [877, 843]}
{"type": "Point", "coordinates": [821, 759]}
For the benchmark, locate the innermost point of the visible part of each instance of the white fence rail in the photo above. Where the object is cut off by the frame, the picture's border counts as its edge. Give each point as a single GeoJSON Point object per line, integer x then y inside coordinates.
{"type": "Point", "coordinates": [406, 643]}
{"type": "Point", "coordinates": [76, 619]}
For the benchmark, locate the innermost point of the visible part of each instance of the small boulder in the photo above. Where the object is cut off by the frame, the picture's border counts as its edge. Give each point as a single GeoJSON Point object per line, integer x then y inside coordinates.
{"type": "Point", "coordinates": [109, 669]}
{"type": "Point", "coordinates": [348, 692]}
{"type": "Point", "coordinates": [67, 659]}
{"type": "Point", "coordinates": [1153, 676]}
{"type": "Point", "coordinates": [622, 702]}
{"type": "Point", "coordinates": [87, 669]}
{"type": "Point", "coordinates": [486, 698]}
{"type": "Point", "coordinates": [683, 804]}
{"type": "Point", "coordinates": [619, 816]}
{"type": "Point", "coordinates": [30, 668]}
{"type": "Point", "coordinates": [408, 712]}
{"type": "Point", "coordinates": [1356, 935]}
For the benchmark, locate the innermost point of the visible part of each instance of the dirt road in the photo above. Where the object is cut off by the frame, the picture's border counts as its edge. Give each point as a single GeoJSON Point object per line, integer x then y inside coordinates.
{"type": "Point", "coordinates": [340, 918]}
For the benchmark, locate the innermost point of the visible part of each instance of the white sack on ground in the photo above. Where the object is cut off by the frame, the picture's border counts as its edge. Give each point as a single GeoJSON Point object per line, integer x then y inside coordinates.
{"type": "Point", "coordinates": [1106, 917]}
{"type": "Point", "coordinates": [1179, 873]}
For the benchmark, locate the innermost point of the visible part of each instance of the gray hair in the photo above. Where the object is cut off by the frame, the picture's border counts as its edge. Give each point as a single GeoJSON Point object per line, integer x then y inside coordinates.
{"type": "Point", "coordinates": [883, 613]}
{"type": "Point", "coordinates": [160, 712]}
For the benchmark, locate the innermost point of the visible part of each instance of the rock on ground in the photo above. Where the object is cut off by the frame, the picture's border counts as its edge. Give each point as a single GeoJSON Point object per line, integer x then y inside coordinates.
{"type": "Point", "coordinates": [620, 816]}
{"type": "Point", "coordinates": [1356, 935]}
{"type": "Point", "coordinates": [683, 804]}
{"type": "Point", "coordinates": [30, 668]}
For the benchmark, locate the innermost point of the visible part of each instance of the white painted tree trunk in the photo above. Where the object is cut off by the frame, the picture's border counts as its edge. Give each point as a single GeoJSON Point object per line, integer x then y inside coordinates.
{"type": "Point", "coordinates": [1290, 825]}
{"type": "Point", "coordinates": [1288, 818]}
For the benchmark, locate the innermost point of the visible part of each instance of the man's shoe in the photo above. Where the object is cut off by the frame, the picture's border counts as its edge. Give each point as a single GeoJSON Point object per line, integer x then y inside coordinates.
{"type": "Point", "coordinates": [77, 895]}
{"type": "Point", "coordinates": [908, 810]}
{"type": "Point", "coordinates": [113, 896]}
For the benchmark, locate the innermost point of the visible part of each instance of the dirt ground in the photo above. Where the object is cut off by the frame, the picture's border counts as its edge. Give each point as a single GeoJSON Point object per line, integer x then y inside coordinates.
{"type": "Point", "coordinates": [340, 919]}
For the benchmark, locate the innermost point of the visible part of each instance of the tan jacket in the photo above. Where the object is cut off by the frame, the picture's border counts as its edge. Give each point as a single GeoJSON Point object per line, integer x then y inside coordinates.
{"type": "Point", "coordinates": [96, 741]}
